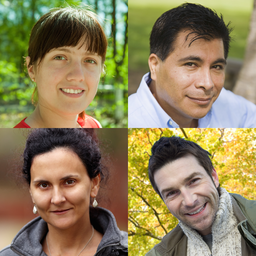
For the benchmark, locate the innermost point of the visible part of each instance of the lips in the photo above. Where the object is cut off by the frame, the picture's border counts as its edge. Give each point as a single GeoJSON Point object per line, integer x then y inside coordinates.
{"type": "Point", "coordinates": [201, 101]}
{"type": "Point", "coordinates": [195, 212]}
{"type": "Point", "coordinates": [72, 91]}
{"type": "Point", "coordinates": [62, 211]}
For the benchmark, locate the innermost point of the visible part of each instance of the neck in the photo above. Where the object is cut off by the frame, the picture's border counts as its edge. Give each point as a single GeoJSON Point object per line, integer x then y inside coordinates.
{"type": "Point", "coordinates": [182, 121]}
{"type": "Point", "coordinates": [43, 117]}
{"type": "Point", "coordinates": [69, 241]}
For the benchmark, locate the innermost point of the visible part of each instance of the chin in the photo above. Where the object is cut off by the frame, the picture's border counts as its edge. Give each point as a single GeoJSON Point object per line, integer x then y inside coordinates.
{"type": "Point", "coordinates": [62, 224]}
{"type": "Point", "coordinates": [199, 114]}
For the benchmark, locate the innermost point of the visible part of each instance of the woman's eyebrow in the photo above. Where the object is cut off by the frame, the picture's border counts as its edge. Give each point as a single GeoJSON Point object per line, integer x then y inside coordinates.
{"type": "Point", "coordinates": [64, 178]}
{"type": "Point", "coordinates": [62, 49]}
{"type": "Point", "coordinates": [70, 51]}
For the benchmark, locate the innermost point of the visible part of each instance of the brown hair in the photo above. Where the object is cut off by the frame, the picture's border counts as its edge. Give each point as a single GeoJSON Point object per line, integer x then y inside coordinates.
{"type": "Point", "coordinates": [65, 27]}
{"type": "Point", "coordinates": [169, 149]}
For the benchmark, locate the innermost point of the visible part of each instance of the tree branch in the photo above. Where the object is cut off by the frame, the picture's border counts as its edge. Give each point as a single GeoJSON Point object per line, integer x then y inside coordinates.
{"type": "Point", "coordinates": [147, 232]}
{"type": "Point", "coordinates": [184, 133]}
{"type": "Point", "coordinates": [150, 206]}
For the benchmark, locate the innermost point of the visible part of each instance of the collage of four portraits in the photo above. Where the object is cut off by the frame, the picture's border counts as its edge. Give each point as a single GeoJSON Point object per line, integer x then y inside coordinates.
{"type": "Point", "coordinates": [171, 85]}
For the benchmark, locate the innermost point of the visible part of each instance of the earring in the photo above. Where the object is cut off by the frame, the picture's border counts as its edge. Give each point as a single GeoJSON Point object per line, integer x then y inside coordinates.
{"type": "Point", "coordinates": [95, 203]}
{"type": "Point", "coordinates": [34, 210]}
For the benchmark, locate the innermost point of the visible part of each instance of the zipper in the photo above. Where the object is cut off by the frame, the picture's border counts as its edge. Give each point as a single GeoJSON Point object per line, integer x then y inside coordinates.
{"type": "Point", "coordinates": [16, 251]}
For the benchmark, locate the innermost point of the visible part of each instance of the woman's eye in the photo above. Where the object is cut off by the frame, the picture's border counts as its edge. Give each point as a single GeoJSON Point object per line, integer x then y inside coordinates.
{"type": "Point", "coordinates": [91, 61]}
{"type": "Point", "coordinates": [70, 182]}
{"type": "Point", "coordinates": [59, 58]}
{"type": "Point", "coordinates": [43, 185]}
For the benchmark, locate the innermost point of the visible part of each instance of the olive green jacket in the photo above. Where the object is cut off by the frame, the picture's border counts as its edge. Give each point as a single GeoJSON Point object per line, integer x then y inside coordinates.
{"type": "Point", "coordinates": [175, 242]}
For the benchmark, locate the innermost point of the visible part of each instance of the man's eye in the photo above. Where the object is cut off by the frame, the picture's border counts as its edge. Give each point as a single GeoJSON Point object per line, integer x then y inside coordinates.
{"type": "Point", "coordinates": [194, 181]}
{"type": "Point", "coordinates": [171, 194]}
{"type": "Point", "coordinates": [218, 67]}
{"type": "Point", "coordinates": [190, 64]}
{"type": "Point", "coordinates": [59, 58]}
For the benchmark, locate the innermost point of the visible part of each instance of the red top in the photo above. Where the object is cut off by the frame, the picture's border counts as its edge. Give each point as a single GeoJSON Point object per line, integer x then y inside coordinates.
{"type": "Point", "coordinates": [88, 122]}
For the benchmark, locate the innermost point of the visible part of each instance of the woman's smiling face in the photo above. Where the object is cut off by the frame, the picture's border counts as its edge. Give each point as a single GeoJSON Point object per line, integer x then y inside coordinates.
{"type": "Point", "coordinates": [67, 79]}
{"type": "Point", "coordinates": [61, 188]}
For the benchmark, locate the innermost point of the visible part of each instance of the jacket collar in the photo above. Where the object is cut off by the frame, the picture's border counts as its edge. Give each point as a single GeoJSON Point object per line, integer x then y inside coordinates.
{"type": "Point", "coordinates": [176, 241]}
{"type": "Point", "coordinates": [28, 240]}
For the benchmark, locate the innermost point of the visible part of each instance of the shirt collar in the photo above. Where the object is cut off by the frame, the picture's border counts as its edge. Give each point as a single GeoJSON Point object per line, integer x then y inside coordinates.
{"type": "Point", "coordinates": [154, 109]}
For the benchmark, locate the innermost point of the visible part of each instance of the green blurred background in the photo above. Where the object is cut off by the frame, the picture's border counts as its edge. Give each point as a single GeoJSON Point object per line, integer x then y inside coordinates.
{"type": "Point", "coordinates": [17, 18]}
{"type": "Point", "coordinates": [144, 13]}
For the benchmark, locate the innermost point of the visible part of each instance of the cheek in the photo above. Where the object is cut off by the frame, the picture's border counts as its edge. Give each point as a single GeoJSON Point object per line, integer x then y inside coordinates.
{"type": "Point", "coordinates": [92, 79]}
{"type": "Point", "coordinates": [173, 207]}
{"type": "Point", "coordinates": [42, 200]}
{"type": "Point", "coordinates": [80, 195]}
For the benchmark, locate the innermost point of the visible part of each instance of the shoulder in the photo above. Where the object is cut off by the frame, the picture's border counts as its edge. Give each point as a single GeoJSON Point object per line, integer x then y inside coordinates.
{"type": "Point", "coordinates": [135, 112]}
{"type": "Point", "coordinates": [138, 105]}
{"type": "Point", "coordinates": [22, 124]}
{"type": "Point", "coordinates": [234, 110]}
{"type": "Point", "coordinates": [7, 252]}
{"type": "Point", "coordinates": [248, 208]}
{"type": "Point", "coordinates": [173, 244]}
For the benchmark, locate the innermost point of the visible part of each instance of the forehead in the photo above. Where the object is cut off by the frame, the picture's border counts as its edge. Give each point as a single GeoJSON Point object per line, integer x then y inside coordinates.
{"type": "Point", "coordinates": [81, 46]}
{"type": "Point", "coordinates": [189, 43]}
{"type": "Point", "coordinates": [173, 174]}
{"type": "Point", "coordinates": [56, 163]}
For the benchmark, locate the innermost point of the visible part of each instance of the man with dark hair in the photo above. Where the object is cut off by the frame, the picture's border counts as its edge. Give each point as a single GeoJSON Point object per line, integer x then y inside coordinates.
{"type": "Point", "coordinates": [211, 221]}
{"type": "Point", "coordinates": [188, 50]}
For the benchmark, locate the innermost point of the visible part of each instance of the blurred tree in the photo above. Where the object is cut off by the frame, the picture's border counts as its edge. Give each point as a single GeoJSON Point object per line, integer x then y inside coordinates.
{"type": "Point", "coordinates": [17, 18]}
{"type": "Point", "coordinates": [233, 156]}
{"type": "Point", "coordinates": [245, 85]}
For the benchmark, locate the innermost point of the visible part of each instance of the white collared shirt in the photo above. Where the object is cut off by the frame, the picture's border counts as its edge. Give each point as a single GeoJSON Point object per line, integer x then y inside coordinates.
{"type": "Point", "coordinates": [228, 111]}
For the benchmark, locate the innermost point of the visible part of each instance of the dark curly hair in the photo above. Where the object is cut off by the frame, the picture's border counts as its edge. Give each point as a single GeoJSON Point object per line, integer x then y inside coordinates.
{"type": "Point", "coordinates": [201, 21]}
{"type": "Point", "coordinates": [169, 149]}
{"type": "Point", "coordinates": [83, 142]}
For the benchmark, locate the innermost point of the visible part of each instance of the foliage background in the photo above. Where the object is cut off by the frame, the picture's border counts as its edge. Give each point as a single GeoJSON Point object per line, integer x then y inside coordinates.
{"type": "Point", "coordinates": [17, 18]}
{"type": "Point", "coordinates": [233, 156]}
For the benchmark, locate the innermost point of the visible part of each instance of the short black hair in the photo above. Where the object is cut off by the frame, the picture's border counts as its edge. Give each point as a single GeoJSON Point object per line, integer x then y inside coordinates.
{"type": "Point", "coordinates": [169, 149]}
{"type": "Point", "coordinates": [201, 21]}
{"type": "Point", "coordinates": [82, 142]}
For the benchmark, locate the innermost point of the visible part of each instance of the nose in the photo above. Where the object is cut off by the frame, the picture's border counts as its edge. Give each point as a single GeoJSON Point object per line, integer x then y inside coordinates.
{"type": "Point", "coordinates": [188, 199]}
{"type": "Point", "coordinates": [57, 196]}
{"type": "Point", "coordinates": [76, 72]}
{"type": "Point", "coordinates": [205, 80]}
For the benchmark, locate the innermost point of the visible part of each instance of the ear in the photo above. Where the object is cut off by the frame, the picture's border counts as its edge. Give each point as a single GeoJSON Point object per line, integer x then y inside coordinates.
{"type": "Point", "coordinates": [153, 63]}
{"type": "Point", "coordinates": [31, 69]}
{"type": "Point", "coordinates": [31, 196]}
{"type": "Point", "coordinates": [95, 186]}
{"type": "Point", "coordinates": [215, 178]}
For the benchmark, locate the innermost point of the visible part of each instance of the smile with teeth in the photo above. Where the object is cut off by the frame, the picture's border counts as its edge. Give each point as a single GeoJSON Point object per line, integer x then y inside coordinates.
{"type": "Point", "coordinates": [199, 210]}
{"type": "Point", "coordinates": [72, 91]}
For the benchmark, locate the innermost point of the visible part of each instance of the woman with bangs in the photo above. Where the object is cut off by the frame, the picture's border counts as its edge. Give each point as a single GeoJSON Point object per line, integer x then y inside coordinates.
{"type": "Point", "coordinates": [66, 55]}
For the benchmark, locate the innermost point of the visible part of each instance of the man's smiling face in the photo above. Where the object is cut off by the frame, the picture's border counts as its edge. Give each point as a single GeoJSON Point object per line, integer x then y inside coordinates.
{"type": "Point", "coordinates": [190, 79]}
{"type": "Point", "coordinates": [189, 192]}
